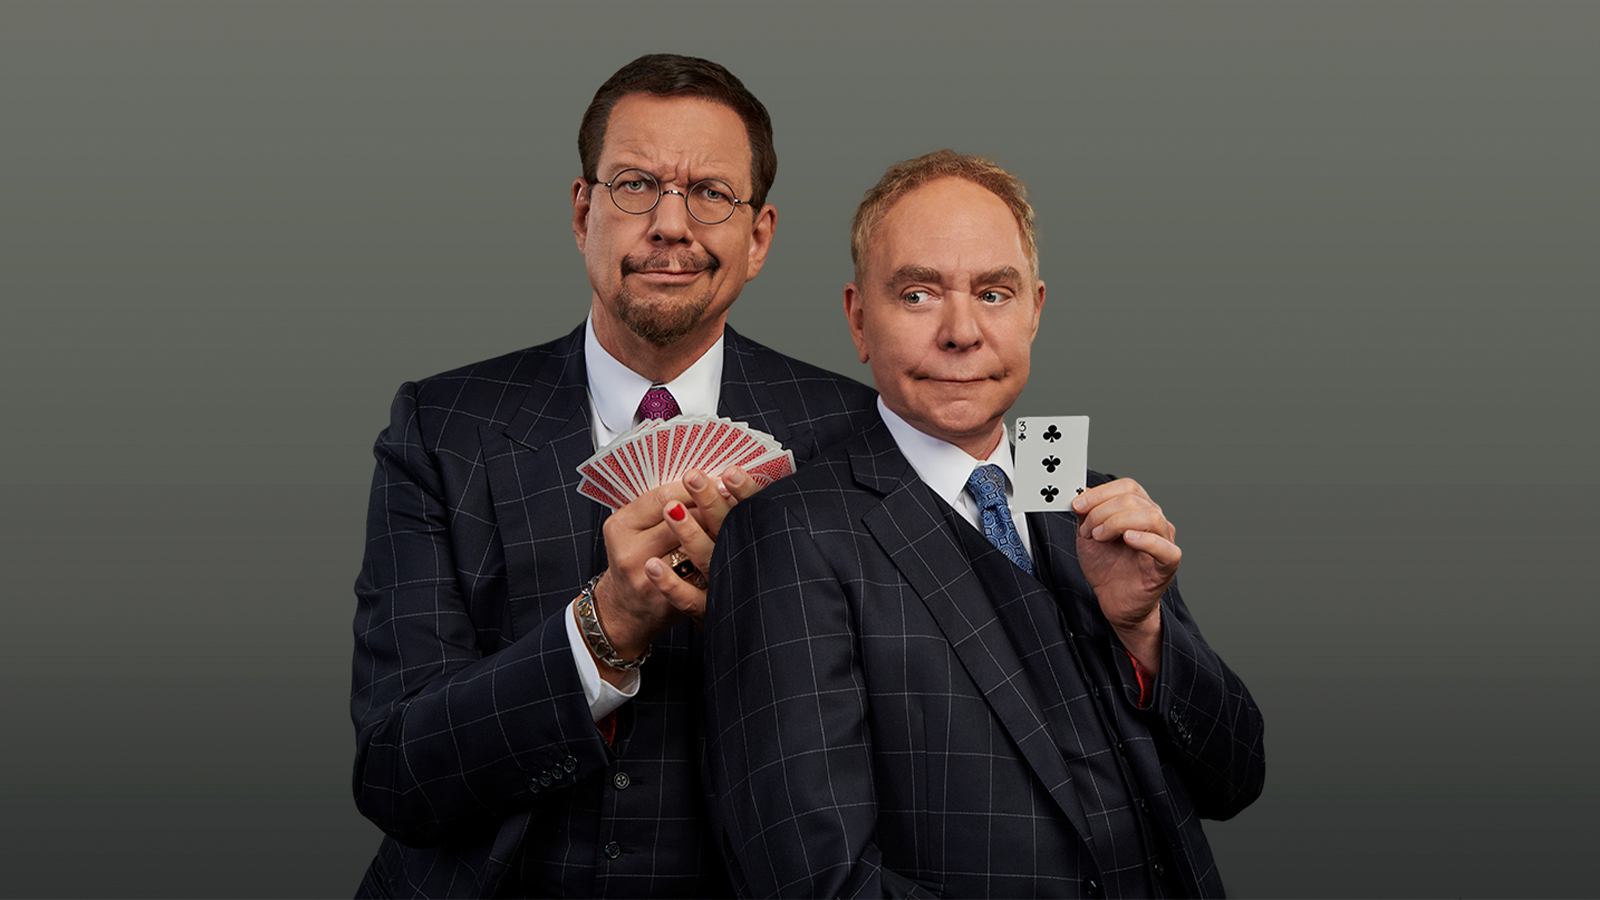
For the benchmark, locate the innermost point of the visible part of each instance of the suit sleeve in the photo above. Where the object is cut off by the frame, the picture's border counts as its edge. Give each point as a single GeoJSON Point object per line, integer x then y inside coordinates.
{"type": "Point", "coordinates": [790, 755]}
{"type": "Point", "coordinates": [449, 740]}
{"type": "Point", "coordinates": [1210, 727]}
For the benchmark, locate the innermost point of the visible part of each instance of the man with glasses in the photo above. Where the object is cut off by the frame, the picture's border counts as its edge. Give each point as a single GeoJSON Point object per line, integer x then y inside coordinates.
{"type": "Point", "coordinates": [527, 669]}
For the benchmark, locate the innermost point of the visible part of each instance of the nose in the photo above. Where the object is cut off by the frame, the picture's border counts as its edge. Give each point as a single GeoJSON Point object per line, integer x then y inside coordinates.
{"type": "Point", "coordinates": [669, 221]}
{"type": "Point", "coordinates": [958, 325]}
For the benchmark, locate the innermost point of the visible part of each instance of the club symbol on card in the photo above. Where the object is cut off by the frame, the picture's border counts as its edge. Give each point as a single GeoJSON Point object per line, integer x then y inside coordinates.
{"type": "Point", "coordinates": [1050, 463]}
{"type": "Point", "coordinates": [1049, 492]}
{"type": "Point", "coordinates": [1080, 490]}
{"type": "Point", "coordinates": [1052, 434]}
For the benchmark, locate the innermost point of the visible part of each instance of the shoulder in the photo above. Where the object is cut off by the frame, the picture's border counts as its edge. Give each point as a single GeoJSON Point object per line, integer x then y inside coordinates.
{"type": "Point", "coordinates": [492, 391]}
{"type": "Point", "coordinates": [822, 496]}
{"type": "Point", "coordinates": [787, 376]}
{"type": "Point", "coordinates": [820, 407]}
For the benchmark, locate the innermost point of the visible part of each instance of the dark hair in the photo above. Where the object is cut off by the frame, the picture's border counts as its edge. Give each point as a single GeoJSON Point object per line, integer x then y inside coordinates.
{"type": "Point", "coordinates": [671, 75]}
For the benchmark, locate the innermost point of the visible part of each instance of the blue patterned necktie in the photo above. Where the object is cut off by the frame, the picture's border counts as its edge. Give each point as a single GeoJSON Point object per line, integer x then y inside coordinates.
{"type": "Point", "coordinates": [987, 485]}
{"type": "Point", "coordinates": [658, 403]}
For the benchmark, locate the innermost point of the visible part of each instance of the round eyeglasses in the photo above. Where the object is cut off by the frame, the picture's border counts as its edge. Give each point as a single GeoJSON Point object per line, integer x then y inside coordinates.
{"type": "Point", "coordinates": [636, 191]}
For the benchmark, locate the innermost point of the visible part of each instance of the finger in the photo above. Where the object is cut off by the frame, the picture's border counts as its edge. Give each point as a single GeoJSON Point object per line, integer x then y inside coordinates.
{"type": "Point", "coordinates": [684, 597]}
{"type": "Point", "coordinates": [696, 544]}
{"type": "Point", "coordinates": [1118, 504]}
{"type": "Point", "coordinates": [1101, 493]}
{"type": "Point", "coordinates": [644, 510]}
{"type": "Point", "coordinates": [739, 484]}
{"type": "Point", "coordinates": [733, 486]}
{"type": "Point", "coordinates": [1166, 554]}
{"type": "Point", "coordinates": [711, 500]}
{"type": "Point", "coordinates": [1141, 518]}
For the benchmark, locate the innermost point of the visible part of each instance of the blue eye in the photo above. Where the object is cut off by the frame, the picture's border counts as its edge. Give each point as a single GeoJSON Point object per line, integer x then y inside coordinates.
{"type": "Point", "coordinates": [912, 298]}
{"type": "Point", "coordinates": [992, 297]}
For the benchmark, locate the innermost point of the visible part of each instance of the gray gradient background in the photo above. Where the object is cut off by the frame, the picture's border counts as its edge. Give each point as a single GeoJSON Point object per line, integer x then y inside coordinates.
{"type": "Point", "coordinates": [1324, 275]}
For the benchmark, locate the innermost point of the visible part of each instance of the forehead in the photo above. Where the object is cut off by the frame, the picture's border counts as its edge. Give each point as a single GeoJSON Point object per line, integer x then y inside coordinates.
{"type": "Point", "coordinates": [676, 137]}
{"type": "Point", "coordinates": [950, 225]}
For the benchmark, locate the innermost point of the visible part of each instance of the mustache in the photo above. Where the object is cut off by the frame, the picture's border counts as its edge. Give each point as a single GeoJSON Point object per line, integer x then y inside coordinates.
{"type": "Point", "coordinates": [656, 262]}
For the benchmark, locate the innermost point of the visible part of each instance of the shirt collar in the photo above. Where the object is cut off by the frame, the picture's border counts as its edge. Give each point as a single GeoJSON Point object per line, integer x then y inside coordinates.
{"type": "Point", "coordinates": [940, 464]}
{"type": "Point", "coordinates": [615, 390]}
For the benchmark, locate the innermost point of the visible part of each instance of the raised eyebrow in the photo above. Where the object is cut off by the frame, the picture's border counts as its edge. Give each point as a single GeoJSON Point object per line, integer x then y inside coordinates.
{"type": "Point", "coordinates": [909, 273]}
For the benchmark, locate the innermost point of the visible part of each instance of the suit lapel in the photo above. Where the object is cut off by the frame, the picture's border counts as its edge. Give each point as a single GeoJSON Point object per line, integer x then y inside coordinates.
{"type": "Point", "coordinates": [532, 469]}
{"type": "Point", "coordinates": [912, 529]}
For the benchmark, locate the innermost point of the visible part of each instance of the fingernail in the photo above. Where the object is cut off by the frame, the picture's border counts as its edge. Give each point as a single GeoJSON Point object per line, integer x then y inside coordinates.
{"type": "Point", "coordinates": [677, 512]}
{"type": "Point", "coordinates": [1079, 504]}
{"type": "Point", "coordinates": [734, 476]}
{"type": "Point", "coordinates": [723, 490]}
{"type": "Point", "coordinates": [695, 481]}
{"type": "Point", "coordinates": [654, 568]}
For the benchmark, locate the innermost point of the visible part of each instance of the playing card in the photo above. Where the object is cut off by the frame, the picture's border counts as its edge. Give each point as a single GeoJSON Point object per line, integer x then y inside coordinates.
{"type": "Point", "coordinates": [772, 467]}
{"type": "Point", "coordinates": [1051, 461]}
{"type": "Point", "coordinates": [656, 452]}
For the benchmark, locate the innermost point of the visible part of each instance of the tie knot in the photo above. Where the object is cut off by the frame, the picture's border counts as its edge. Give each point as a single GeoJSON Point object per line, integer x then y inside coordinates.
{"type": "Point", "coordinates": [658, 403]}
{"type": "Point", "coordinates": [987, 484]}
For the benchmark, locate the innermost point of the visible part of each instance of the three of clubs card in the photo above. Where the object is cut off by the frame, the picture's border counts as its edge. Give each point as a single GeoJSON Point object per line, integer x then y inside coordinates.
{"type": "Point", "coordinates": [1052, 459]}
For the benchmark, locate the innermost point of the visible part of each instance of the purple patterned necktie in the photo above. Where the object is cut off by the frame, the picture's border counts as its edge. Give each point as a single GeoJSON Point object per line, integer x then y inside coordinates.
{"type": "Point", "coordinates": [658, 403]}
{"type": "Point", "coordinates": [987, 485]}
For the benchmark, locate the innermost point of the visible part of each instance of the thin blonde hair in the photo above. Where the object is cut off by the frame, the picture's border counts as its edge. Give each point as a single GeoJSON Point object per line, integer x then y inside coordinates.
{"type": "Point", "coordinates": [905, 177]}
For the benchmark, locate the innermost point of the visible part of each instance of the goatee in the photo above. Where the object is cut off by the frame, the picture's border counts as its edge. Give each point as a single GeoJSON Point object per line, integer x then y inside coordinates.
{"type": "Point", "coordinates": [660, 321]}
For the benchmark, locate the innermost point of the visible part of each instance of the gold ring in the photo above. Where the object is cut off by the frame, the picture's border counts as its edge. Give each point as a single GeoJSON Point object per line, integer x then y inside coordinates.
{"type": "Point", "coordinates": [679, 562]}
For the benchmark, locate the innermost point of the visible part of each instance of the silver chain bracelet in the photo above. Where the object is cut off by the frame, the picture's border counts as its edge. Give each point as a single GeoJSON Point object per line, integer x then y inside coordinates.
{"type": "Point", "coordinates": [589, 622]}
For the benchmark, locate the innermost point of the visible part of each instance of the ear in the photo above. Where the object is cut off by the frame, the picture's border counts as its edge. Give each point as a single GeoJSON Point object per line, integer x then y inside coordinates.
{"type": "Point", "coordinates": [581, 195]}
{"type": "Point", "coordinates": [766, 224]}
{"type": "Point", "coordinates": [1038, 307]}
{"type": "Point", "coordinates": [854, 315]}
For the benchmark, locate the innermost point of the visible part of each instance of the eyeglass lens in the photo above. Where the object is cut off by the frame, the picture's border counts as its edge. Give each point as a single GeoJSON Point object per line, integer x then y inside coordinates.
{"type": "Point", "coordinates": [710, 201]}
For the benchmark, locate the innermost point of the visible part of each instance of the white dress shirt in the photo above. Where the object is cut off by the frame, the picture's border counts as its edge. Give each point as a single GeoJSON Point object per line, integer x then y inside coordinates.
{"type": "Point", "coordinates": [945, 467]}
{"type": "Point", "coordinates": [614, 394]}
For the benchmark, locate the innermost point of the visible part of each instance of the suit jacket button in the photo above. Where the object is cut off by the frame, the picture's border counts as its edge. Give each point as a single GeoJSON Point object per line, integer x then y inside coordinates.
{"type": "Point", "coordinates": [1092, 888]}
{"type": "Point", "coordinates": [613, 850]}
{"type": "Point", "coordinates": [544, 779]}
{"type": "Point", "coordinates": [1160, 870]}
{"type": "Point", "coordinates": [621, 780]}
{"type": "Point", "coordinates": [533, 785]}
{"type": "Point", "coordinates": [570, 764]}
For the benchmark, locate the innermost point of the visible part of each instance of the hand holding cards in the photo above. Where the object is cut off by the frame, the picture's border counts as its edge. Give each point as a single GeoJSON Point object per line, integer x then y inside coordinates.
{"type": "Point", "coordinates": [1052, 459]}
{"type": "Point", "coordinates": [660, 451]}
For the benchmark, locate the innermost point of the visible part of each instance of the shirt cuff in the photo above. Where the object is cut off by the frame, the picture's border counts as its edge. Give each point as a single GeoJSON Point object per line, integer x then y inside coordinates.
{"type": "Point", "coordinates": [603, 697]}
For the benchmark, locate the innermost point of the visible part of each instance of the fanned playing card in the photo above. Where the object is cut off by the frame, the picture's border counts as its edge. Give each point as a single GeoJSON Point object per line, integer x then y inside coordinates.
{"type": "Point", "coordinates": [657, 452]}
{"type": "Point", "coordinates": [1051, 461]}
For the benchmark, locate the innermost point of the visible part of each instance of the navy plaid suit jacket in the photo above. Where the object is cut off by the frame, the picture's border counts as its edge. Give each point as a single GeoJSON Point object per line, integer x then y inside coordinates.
{"type": "Point", "coordinates": [884, 722]}
{"type": "Point", "coordinates": [476, 752]}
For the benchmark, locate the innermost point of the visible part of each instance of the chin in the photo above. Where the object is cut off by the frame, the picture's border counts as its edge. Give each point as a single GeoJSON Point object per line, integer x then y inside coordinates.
{"type": "Point", "coordinates": [661, 321]}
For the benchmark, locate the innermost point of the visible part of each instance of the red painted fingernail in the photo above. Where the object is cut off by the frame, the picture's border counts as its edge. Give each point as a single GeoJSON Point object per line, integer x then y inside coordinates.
{"type": "Point", "coordinates": [677, 512]}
